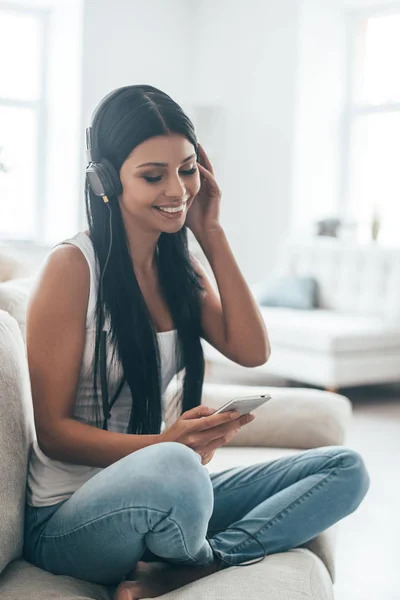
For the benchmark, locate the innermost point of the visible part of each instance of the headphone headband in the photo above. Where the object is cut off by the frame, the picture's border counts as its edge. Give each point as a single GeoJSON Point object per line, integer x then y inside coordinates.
{"type": "Point", "coordinates": [89, 146]}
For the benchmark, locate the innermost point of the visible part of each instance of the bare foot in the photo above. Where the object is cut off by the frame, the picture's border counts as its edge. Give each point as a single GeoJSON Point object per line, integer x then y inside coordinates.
{"type": "Point", "coordinates": [152, 581]}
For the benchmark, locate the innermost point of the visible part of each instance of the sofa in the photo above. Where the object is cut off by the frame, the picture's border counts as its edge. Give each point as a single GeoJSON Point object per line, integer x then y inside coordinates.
{"type": "Point", "coordinates": [352, 337]}
{"type": "Point", "coordinates": [293, 421]}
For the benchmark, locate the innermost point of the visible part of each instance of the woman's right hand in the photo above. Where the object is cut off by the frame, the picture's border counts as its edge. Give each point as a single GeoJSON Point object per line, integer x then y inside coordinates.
{"type": "Point", "coordinates": [203, 431]}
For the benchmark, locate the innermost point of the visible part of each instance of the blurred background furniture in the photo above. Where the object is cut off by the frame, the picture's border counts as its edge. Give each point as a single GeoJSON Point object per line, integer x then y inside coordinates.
{"type": "Point", "coordinates": [353, 336]}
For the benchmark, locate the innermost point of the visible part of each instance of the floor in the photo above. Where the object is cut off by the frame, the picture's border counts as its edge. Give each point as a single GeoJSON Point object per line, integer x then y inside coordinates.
{"type": "Point", "coordinates": [368, 544]}
{"type": "Point", "coordinates": [368, 551]}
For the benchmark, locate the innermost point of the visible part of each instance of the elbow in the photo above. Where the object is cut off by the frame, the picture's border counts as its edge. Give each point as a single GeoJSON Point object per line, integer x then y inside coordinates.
{"type": "Point", "coordinates": [48, 440]}
{"type": "Point", "coordinates": [45, 447]}
{"type": "Point", "coordinates": [256, 359]}
{"type": "Point", "coordinates": [263, 358]}
{"type": "Point", "coordinates": [46, 444]}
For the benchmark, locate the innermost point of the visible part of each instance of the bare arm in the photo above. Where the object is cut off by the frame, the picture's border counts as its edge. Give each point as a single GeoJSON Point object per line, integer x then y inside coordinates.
{"type": "Point", "coordinates": [231, 320]}
{"type": "Point", "coordinates": [56, 330]}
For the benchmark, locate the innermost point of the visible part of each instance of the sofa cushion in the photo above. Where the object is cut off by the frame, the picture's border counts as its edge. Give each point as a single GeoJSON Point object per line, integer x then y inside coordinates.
{"type": "Point", "coordinates": [297, 574]}
{"type": "Point", "coordinates": [12, 265]}
{"type": "Point", "coordinates": [24, 581]}
{"type": "Point", "coordinates": [14, 297]}
{"type": "Point", "coordinates": [293, 418]}
{"type": "Point", "coordinates": [324, 330]}
{"type": "Point", "coordinates": [16, 434]}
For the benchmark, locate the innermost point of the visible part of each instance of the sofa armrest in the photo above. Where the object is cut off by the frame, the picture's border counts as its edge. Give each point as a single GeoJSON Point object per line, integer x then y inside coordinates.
{"type": "Point", "coordinates": [298, 418]}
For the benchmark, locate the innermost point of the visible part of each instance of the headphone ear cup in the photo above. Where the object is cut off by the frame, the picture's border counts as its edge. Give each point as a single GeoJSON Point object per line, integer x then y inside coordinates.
{"type": "Point", "coordinates": [104, 179]}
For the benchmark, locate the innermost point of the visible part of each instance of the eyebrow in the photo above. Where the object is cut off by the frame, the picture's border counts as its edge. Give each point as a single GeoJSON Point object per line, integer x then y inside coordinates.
{"type": "Point", "coordinates": [162, 164]}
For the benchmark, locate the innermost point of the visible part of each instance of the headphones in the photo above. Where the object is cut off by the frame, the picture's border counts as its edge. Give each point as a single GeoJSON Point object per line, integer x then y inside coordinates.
{"type": "Point", "coordinates": [102, 176]}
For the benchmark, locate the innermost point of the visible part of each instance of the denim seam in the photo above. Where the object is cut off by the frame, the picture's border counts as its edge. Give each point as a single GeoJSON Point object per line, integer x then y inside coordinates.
{"type": "Point", "coordinates": [276, 518]}
{"type": "Point", "coordinates": [255, 480]}
{"type": "Point", "coordinates": [168, 514]}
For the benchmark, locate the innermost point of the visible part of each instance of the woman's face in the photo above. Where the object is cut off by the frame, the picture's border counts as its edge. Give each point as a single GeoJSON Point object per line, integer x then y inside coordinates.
{"type": "Point", "coordinates": [159, 182]}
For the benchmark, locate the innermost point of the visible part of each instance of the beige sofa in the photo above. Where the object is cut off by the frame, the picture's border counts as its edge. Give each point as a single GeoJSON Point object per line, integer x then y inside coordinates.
{"type": "Point", "coordinates": [293, 421]}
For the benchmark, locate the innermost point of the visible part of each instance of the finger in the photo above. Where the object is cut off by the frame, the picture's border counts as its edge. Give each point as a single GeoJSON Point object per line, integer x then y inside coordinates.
{"type": "Point", "coordinates": [214, 421]}
{"type": "Point", "coordinates": [209, 177]}
{"type": "Point", "coordinates": [246, 419]}
{"type": "Point", "coordinates": [204, 171]}
{"type": "Point", "coordinates": [221, 432]}
{"type": "Point", "coordinates": [205, 459]}
{"type": "Point", "coordinates": [205, 160]}
{"type": "Point", "coordinates": [197, 412]}
{"type": "Point", "coordinates": [224, 429]}
{"type": "Point", "coordinates": [213, 445]}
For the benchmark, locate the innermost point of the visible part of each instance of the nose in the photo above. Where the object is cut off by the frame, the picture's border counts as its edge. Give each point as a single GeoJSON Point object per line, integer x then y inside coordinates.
{"type": "Point", "coordinates": [175, 187]}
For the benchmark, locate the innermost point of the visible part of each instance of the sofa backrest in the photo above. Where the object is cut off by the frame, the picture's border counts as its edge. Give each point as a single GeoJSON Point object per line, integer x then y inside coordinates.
{"type": "Point", "coordinates": [16, 436]}
{"type": "Point", "coordinates": [14, 297]}
{"type": "Point", "coordinates": [352, 278]}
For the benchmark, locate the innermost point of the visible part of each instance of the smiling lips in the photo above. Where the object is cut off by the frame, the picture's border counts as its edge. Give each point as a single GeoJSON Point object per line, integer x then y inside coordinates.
{"type": "Point", "coordinates": [172, 209]}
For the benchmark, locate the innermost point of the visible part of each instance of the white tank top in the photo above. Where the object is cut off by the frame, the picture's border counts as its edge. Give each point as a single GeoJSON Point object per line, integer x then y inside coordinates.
{"type": "Point", "coordinates": [51, 481]}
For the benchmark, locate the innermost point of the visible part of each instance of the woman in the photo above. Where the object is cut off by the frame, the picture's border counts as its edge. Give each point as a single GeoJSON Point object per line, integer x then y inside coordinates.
{"type": "Point", "coordinates": [117, 478]}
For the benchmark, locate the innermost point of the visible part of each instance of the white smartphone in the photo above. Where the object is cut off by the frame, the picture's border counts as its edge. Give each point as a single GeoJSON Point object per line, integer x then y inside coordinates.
{"type": "Point", "coordinates": [244, 405]}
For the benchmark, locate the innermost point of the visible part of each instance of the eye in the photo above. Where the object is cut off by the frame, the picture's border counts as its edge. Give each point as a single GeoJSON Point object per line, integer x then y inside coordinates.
{"type": "Point", "coordinates": [187, 173]}
{"type": "Point", "coordinates": [190, 172]}
{"type": "Point", "coordinates": [152, 179]}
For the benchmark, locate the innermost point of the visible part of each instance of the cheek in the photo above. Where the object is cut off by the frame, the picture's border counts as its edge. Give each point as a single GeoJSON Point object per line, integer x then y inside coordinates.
{"type": "Point", "coordinates": [137, 193]}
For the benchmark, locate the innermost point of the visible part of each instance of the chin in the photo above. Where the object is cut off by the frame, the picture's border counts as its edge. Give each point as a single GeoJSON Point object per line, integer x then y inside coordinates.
{"type": "Point", "coordinates": [174, 226]}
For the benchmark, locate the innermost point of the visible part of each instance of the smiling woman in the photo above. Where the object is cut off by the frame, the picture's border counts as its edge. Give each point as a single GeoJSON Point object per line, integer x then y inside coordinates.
{"type": "Point", "coordinates": [131, 306]}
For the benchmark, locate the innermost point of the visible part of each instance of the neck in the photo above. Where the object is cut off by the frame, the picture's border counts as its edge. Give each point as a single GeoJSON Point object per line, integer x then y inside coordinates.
{"type": "Point", "coordinates": [142, 245]}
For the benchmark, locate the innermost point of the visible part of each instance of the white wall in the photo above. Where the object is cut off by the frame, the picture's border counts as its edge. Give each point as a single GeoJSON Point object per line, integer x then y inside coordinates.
{"type": "Point", "coordinates": [130, 42]}
{"type": "Point", "coordinates": [64, 120]}
{"type": "Point", "coordinates": [263, 80]}
{"type": "Point", "coordinates": [275, 72]}
{"type": "Point", "coordinates": [246, 63]}
{"type": "Point", "coordinates": [320, 97]}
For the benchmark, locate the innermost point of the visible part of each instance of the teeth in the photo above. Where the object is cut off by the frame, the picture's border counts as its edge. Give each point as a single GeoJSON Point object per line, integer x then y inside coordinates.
{"type": "Point", "coordinates": [173, 210]}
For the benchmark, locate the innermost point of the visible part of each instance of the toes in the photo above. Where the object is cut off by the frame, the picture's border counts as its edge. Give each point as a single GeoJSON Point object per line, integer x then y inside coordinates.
{"type": "Point", "coordinates": [126, 591]}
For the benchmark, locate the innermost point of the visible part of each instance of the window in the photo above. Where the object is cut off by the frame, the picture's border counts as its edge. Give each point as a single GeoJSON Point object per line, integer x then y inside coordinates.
{"type": "Point", "coordinates": [22, 119]}
{"type": "Point", "coordinates": [374, 174]}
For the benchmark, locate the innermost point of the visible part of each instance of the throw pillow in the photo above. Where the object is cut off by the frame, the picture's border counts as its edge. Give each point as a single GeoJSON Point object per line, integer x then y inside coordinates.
{"type": "Point", "coordinates": [288, 292]}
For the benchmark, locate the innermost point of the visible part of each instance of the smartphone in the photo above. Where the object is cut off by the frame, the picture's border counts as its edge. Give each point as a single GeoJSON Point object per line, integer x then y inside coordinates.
{"type": "Point", "coordinates": [244, 405]}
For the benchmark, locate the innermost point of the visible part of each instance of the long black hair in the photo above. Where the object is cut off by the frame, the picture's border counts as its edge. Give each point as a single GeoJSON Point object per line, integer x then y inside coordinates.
{"type": "Point", "coordinates": [138, 113]}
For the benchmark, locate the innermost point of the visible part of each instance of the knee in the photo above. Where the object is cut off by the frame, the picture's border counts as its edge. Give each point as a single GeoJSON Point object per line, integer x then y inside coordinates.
{"type": "Point", "coordinates": [181, 479]}
{"type": "Point", "coordinates": [354, 471]}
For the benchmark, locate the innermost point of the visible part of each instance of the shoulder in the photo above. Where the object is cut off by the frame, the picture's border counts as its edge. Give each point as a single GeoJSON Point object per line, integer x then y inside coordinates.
{"type": "Point", "coordinates": [64, 280]}
{"type": "Point", "coordinates": [68, 261]}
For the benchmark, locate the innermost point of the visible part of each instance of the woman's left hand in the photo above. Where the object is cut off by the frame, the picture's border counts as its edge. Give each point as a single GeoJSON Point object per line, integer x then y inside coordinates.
{"type": "Point", "coordinates": [203, 215]}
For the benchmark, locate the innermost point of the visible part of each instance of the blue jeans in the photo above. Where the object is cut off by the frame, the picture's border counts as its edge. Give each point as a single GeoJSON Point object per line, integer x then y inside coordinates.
{"type": "Point", "coordinates": [160, 503]}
